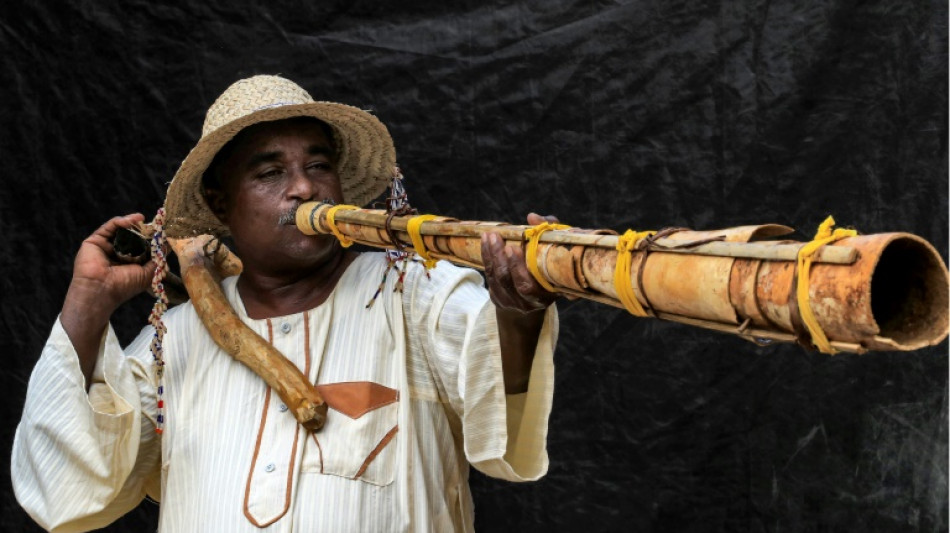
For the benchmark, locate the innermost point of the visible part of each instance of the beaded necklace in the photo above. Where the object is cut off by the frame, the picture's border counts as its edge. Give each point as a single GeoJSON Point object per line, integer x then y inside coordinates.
{"type": "Point", "coordinates": [158, 310]}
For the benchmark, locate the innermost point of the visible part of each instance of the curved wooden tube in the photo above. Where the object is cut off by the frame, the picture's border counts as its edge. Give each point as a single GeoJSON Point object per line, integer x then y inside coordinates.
{"type": "Point", "coordinates": [204, 260]}
{"type": "Point", "coordinates": [885, 291]}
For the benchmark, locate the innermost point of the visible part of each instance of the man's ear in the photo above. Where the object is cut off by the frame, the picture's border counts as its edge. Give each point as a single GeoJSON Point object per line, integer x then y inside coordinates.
{"type": "Point", "coordinates": [218, 203]}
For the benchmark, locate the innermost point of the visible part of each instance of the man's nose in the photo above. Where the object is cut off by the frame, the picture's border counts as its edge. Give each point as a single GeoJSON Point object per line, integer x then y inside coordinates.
{"type": "Point", "coordinates": [301, 186]}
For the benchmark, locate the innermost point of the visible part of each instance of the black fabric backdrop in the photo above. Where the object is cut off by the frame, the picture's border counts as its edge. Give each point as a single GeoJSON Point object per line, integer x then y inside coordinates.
{"type": "Point", "coordinates": [617, 114]}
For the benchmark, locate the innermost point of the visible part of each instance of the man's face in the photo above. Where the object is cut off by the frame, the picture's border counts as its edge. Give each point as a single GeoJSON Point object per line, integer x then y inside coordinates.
{"type": "Point", "coordinates": [273, 168]}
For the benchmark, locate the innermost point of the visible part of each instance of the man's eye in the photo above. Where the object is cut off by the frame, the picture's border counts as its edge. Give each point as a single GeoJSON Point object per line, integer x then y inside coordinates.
{"type": "Point", "coordinates": [324, 166]}
{"type": "Point", "coordinates": [271, 174]}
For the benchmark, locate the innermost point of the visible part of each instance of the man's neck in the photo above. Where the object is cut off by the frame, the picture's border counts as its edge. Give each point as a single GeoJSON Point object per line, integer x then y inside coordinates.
{"type": "Point", "coordinates": [267, 295]}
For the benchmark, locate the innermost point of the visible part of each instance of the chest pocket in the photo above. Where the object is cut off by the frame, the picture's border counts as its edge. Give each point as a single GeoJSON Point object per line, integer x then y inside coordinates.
{"type": "Point", "coordinates": [357, 440]}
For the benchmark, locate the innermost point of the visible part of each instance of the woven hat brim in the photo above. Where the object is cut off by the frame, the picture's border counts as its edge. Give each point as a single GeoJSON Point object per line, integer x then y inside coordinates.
{"type": "Point", "coordinates": [367, 161]}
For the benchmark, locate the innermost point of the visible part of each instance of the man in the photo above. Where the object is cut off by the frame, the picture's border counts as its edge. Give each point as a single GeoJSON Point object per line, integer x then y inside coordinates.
{"type": "Point", "coordinates": [419, 385]}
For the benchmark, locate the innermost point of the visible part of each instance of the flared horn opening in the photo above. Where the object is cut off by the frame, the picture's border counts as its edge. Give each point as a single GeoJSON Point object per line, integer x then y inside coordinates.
{"type": "Point", "coordinates": [909, 294]}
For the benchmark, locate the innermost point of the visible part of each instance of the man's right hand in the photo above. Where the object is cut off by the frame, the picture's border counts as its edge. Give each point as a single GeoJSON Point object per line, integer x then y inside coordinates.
{"type": "Point", "coordinates": [100, 284]}
{"type": "Point", "coordinates": [98, 273]}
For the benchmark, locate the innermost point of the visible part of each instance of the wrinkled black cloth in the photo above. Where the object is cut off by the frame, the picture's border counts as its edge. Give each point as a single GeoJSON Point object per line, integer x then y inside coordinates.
{"type": "Point", "coordinates": [609, 114]}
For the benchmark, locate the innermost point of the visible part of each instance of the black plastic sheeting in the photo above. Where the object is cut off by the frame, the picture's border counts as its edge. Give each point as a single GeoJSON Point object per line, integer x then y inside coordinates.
{"type": "Point", "coordinates": [609, 114]}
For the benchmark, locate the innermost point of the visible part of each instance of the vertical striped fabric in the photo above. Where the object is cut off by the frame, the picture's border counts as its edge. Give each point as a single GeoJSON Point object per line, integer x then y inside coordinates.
{"type": "Point", "coordinates": [233, 459]}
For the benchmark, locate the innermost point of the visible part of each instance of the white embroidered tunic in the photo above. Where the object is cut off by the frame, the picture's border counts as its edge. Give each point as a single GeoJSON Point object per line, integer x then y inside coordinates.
{"type": "Point", "coordinates": [415, 391]}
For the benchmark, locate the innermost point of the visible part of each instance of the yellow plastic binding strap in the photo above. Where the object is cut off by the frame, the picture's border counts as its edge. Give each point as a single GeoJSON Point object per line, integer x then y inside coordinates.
{"type": "Point", "coordinates": [533, 234]}
{"type": "Point", "coordinates": [331, 214]}
{"type": "Point", "coordinates": [419, 245]}
{"type": "Point", "coordinates": [805, 253]}
{"type": "Point", "coordinates": [626, 244]}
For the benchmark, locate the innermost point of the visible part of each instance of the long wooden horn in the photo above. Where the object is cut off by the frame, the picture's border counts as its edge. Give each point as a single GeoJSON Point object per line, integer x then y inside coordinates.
{"type": "Point", "coordinates": [885, 291]}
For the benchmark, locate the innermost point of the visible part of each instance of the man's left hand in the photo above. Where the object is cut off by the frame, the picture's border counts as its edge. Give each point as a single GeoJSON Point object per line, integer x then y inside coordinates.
{"type": "Point", "coordinates": [511, 285]}
{"type": "Point", "coordinates": [519, 301]}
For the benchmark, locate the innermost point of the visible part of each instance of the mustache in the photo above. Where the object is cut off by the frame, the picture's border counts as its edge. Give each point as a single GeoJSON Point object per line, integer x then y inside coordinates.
{"type": "Point", "coordinates": [288, 218]}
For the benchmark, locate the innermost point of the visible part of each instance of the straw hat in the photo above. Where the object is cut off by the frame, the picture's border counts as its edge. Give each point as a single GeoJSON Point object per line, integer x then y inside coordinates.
{"type": "Point", "coordinates": [367, 157]}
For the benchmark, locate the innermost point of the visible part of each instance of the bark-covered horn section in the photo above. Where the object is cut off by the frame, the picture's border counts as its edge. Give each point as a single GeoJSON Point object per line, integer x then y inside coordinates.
{"type": "Point", "coordinates": [204, 261]}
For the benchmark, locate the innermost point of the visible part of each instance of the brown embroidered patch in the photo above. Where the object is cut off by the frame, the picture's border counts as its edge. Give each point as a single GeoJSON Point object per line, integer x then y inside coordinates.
{"type": "Point", "coordinates": [319, 449]}
{"type": "Point", "coordinates": [356, 398]}
{"type": "Point", "coordinates": [260, 434]}
{"type": "Point", "coordinates": [379, 447]}
{"type": "Point", "coordinates": [250, 473]}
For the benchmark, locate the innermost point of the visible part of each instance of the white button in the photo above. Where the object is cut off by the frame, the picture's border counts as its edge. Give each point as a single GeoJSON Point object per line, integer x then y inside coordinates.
{"type": "Point", "coordinates": [282, 408]}
{"type": "Point", "coordinates": [285, 327]}
{"type": "Point", "coordinates": [270, 467]}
